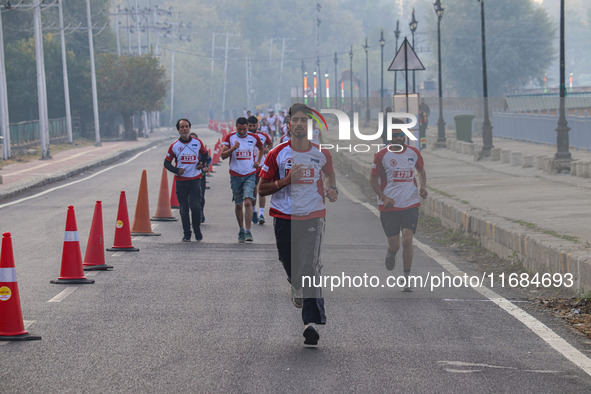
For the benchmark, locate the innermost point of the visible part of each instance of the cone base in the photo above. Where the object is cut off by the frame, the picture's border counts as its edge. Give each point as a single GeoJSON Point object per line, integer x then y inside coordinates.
{"type": "Point", "coordinates": [79, 281]}
{"type": "Point", "coordinates": [23, 337]}
{"type": "Point", "coordinates": [99, 267]}
{"type": "Point", "coordinates": [122, 249]}
{"type": "Point", "coordinates": [163, 219]}
{"type": "Point", "coordinates": [146, 234]}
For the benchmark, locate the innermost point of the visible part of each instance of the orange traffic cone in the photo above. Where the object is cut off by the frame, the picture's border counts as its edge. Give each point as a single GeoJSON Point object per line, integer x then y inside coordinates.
{"type": "Point", "coordinates": [12, 327]}
{"type": "Point", "coordinates": [163, 212]}
{"type": "Point", "coordinates": [122, 240]}
{"type": "Point", "coordinates": [72, 271]}
{"type": "Point", "coordinates": [174, 201]}
{"type": "Point", "coordinates": [141, 220]}
{"type": "Point", "coordinates": [94, 258]}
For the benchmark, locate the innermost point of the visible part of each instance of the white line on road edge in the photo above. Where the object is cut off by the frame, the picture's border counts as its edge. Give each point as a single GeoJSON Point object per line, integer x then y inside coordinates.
{"type": "Point", "coordinates": [540, 329]}
{"type": "Point", "coordinates": [74, 182]}
{"type": "Point", "coordinates": [117, 254]}
{"type": "Point", "coordinates": [26, 323]}
{"type": "Point", "coordinates": [61, 296]}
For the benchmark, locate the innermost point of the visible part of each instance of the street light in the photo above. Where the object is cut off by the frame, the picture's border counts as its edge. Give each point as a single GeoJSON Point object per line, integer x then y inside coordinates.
{"type": "Point", "coordinates": [486, 125]}
{"type": "Point", "coordinates": [336, 82]}
{"type": "Point", "coordinates": [413, 26]}
{"type": "Point", "coordinates": [440, 122]}
{"type": "Point", "coordinates": [382, 43]}
{"type": "Point", "coordinates": [366, 47]}
{"type": "Point", "coordinates": [397, 35]}
{"type": "Point", "coordinates": [351, 80]}
{"type": "Point", "coordinates": [562, 158]}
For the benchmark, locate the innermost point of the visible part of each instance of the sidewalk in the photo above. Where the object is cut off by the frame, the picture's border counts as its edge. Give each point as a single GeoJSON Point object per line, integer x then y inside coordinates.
{"type": "Point", "coordinates": [19, 177]}
{"type": "Point", "coordinates": [542, 219]}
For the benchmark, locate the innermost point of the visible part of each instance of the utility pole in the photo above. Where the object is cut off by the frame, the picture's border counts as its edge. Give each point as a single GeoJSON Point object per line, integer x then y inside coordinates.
{"type": "Point", "coordinates": [4, 121]}
{"type": "Point", "coordinates": [97, 131]}
{"type": "Point", "coordinates": [116, 13]}
{"type": "Point", "coordinates": [225, 77]}
{"type": "Point", "coordinates": [41, 86]}
{"type": "Point", "coordinates": [65, 74]}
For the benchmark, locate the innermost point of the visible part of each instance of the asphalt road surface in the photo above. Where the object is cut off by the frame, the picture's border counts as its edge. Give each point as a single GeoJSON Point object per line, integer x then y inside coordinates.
{"type": "Point", "coordinates": [215, 316]}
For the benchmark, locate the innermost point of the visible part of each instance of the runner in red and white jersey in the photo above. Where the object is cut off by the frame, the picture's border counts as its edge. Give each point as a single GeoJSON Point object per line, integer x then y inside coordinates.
{"type": "Point", "coordinates": [393, 180]}
{"type": "Point", "coordinates": [259, 217]}
{"type": "Point", "coordinates": [294, 174]}
{"type": "Point", "coordinates": [186, 152]}
{"type": "Point", "coordinates": [242, 151]}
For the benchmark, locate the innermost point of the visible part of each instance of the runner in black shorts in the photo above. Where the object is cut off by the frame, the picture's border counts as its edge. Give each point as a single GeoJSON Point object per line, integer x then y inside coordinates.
{"type": "Point", "coordinates": [393, 180]}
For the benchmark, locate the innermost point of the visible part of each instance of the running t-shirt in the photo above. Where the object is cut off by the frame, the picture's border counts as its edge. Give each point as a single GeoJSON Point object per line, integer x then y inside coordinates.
{"type": "Point", "coordinates": [396, 177]}
{"type": "Point", "coordinates": [242, 159]}
{"type": "Point", "coordinates": [272, 120]}
{"type": "Point", "coordinates": [284, 138]}
{"type": "Point", "coordinates": [266, 140]}
{"type": "Point", "coordinates": [305, 198]}
{"type": "Point", "coordinates": [186, 156]}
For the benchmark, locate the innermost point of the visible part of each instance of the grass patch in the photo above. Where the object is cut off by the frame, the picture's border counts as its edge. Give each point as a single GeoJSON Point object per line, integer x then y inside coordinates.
{"type": "Point", "coordinates": [532, 226]}
{"type": "Point", "coordinates": [21, 156]}
{"type": "Point", "coordinates": [440, 192]}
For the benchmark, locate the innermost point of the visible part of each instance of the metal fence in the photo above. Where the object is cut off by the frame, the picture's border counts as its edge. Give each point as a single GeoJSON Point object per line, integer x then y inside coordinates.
{"type": "Point", "coordinates": [538, 127]}
{"type": "Point", "coordinates": [23, 133]}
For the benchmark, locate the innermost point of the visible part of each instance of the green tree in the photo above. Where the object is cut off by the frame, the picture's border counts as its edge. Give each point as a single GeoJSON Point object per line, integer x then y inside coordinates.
{"type": "Point", "coordinates": [129, 84]}
{"type": "Point", "coordinates": [519, 37]}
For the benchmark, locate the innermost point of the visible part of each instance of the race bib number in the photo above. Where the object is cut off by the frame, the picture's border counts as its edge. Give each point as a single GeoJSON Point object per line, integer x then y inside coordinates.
{"type": "Point", "coordinates": [189, 159]}
{"type": "Point", "coordinates": [308, 176]}
{"type": "Point", "coordinates": [243, 155]}
{"type": "Point", "coordinates": [404, 175]}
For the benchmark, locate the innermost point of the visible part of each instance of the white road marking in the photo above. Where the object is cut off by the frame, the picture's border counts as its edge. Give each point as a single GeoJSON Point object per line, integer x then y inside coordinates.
{"type": "Point", "coordinates": [74, 182]}
{"type": "Point", "coordinates": [117, 254]}
{"type": "Point", "coordinates": [91, 273]}
{"type": "Point", "coordinates": [61, 296]}
{"type": "Point", "coordinates": [540, 329]}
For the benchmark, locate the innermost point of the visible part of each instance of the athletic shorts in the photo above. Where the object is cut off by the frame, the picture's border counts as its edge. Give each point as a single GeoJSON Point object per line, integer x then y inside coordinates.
{"type": "Point", "coordinates": [394, 221]}
{"type": "Point", "coordinates": [242, 187]}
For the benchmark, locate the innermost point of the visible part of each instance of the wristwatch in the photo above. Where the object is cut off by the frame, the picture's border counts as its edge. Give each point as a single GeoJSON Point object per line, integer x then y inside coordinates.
{"type": "Point", "coordinates": [335, 189]}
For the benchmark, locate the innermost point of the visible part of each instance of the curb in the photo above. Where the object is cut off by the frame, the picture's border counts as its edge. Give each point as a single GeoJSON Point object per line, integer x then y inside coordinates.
{"type": "Point", "coordinates": [537, 252]}
{"type": "Point", "coordinates": [59, 176]}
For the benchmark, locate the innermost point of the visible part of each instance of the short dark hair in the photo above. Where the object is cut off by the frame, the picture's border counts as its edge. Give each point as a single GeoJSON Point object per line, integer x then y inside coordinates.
{"type": "Point", "coordinates": [299, 107]}
{"type": "Point", "coordinates": [178, 123]}
{"type": "Point", "coordinates": [253, 120]}
{"type": "Point", "coordinates": [241, 120]}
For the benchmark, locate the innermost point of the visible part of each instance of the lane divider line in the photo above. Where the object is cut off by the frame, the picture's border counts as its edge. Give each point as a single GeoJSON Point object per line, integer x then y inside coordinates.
{"type": "Point", "coordinates": [61, 296]}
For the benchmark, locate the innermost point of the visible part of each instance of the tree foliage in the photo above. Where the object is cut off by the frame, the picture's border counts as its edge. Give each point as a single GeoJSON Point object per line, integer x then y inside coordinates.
{"type": "Point", "coordinates": [130, 84]}
{"type": "Point", "coordinates": [519, 38]}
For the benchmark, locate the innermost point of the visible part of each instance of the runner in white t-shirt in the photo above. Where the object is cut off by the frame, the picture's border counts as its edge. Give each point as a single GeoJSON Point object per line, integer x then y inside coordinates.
{"type": "Point", "coordinates": [259, 217]}
{"type": "Point", "coordinates": [240, 147]}
{"type": "Point", "coordinates": [299, 176]}
{"type": "Point", "coordinates": [273, 123]}
{"type": "Point", "coordinates": [393, 180]}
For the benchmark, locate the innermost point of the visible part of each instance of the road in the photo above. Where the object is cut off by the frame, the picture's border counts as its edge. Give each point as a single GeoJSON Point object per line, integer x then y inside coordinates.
{"type": "Point", "coordinates": [215, 316]}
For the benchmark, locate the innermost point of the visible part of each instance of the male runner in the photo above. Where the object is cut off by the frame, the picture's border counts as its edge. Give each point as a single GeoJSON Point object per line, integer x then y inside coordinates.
{"type": "Point", "coordinates": [187, 152]}
{"type": "Point", "coordinates": [393, 180]}
{"type": "Point", "coordinates": [240, 147]}
{"type": "Point", "coordinates": [292, 173]}
{"type": "Point", "coordinates": [267, 144]}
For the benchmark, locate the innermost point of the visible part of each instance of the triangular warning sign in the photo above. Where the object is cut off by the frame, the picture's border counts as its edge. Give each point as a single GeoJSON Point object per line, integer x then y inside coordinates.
{"type": "Point", "coordinates": [406, 59]}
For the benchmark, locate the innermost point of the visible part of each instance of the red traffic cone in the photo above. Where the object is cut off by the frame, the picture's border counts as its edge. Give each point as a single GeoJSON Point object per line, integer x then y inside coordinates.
{"type": "Point", "coordinates": [174, 201]}
{"type": "Point", "coordinates": [72, 272]}
{"type": "Point", "coordinates": [141, 219]}
{"type": "Point", "coordinates": [94, 258]}
{"type": "Point", "coordinates": [163, 212]}
{"type": "Point", "coordinates": [12, 327]}
{"type": "Point", "coordinates": [122, 232]}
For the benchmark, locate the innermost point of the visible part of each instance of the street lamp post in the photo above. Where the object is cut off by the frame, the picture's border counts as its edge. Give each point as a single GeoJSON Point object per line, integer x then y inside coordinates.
{"type": "Point", "coordinates": [382, 42]}
{"type": "Point", "coordinates": [336, 82]}
{"type": "Point", "coordinates": [351, 80]}
{"type": "Point", "coordinates": [413, 27]}
{"type": "Point", "coordinates": [397, 35]}
{"type": "Point", "coordinates": [303, 68]}
{"type": "Point", "coordinates": [486, 125]}
{"type": "Point", "coordinates": [562, 158]}
{"type": "Point", "coordinates": [440, 122]}
{"type": "Point", "coordinates": [366, 47]}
